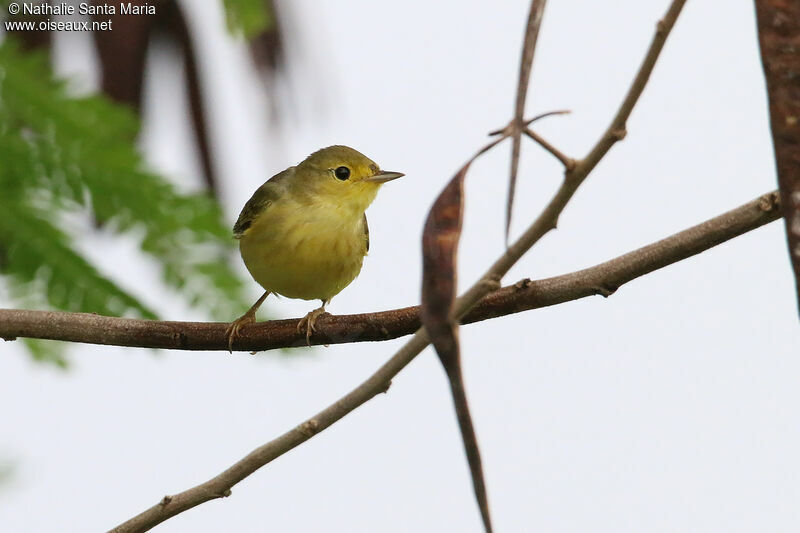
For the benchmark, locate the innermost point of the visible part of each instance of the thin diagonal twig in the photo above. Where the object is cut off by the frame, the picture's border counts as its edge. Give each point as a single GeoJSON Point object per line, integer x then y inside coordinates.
{"type": "Point", "coordinates": [567, 161]}
{"type": "Point", "coordinates": [526, 62]}
{"type": "Point", "coordinates": [616, 130]}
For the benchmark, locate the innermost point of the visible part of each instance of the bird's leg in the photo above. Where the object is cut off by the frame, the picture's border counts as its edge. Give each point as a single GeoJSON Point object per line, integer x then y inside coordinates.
{"type": "Point", "coordinates": [310, 320]}
{"type": "Point", "coordinates": [248, 318]}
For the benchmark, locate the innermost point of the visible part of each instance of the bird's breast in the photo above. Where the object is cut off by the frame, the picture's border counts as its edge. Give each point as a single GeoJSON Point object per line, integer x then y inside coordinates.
{"type": "Point", "coordinates": [301, 251]}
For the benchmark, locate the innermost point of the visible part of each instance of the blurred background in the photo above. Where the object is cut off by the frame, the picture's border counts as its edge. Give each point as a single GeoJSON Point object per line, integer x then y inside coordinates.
{"type": "Point", "coordinates": [668, 406]}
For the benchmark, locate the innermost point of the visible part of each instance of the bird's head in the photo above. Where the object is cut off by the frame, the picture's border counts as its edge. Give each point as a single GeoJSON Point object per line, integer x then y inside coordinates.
{"type": "Point", "coordinates": [341, 175]}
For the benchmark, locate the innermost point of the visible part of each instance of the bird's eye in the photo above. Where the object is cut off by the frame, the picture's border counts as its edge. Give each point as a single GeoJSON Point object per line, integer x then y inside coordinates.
{"type": "Point", "coordinates": [342, 173]}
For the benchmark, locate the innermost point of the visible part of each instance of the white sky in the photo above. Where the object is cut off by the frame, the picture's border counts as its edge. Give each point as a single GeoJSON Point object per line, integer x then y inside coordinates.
{"type": "Point", "coordinates": [671, 406]}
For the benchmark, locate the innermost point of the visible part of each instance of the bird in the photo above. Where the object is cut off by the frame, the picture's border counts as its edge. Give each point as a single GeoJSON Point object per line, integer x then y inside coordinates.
{"type": "Point", "coordinates": [304, 234]}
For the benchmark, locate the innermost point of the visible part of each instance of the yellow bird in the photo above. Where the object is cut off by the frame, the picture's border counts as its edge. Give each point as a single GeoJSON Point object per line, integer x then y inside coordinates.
{"type": "Point", "coordinates": [304, 234]}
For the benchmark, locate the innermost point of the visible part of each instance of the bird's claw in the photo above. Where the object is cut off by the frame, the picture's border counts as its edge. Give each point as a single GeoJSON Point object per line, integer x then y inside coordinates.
{"type": "Point", "coordinates": [233, 329]}
{"type": "Point", "coordinates": [308, 323]}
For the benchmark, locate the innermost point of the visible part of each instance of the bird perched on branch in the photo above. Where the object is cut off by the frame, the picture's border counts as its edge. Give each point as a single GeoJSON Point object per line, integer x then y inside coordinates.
{"type": "Point", "coordinates": [304, 234]}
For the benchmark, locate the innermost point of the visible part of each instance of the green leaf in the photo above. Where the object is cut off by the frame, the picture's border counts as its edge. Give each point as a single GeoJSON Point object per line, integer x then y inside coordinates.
{"type": "Point", "coordinates": [39, 255]}
{"type": "Point", "coordinates": [248, 17]}
{"type": "Point", "coordinates": [50, 352]}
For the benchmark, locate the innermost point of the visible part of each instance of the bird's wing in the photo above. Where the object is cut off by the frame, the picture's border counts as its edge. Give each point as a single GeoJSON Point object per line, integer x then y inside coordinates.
{"type": "Point", "coordinates": [259, 202]}
{"type": "Point", "coordinates": [366, 230]}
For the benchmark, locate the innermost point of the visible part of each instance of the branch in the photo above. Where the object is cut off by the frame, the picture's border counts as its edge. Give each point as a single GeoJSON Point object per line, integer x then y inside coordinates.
{"type": "Point", "coordinates": [567, 161]}
{"type": "Point", "coordinates": [525, 295]}
{"type": "Point", "coordinates": [525, 64]}
{"type": "Point", "coordinates": [616, 130]}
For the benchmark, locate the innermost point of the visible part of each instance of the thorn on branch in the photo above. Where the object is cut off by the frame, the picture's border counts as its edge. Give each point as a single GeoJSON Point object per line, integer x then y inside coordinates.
{"type": "Point", "coordinates": [180, 339]}
{"type": "Point", "coordinates": [166, 500]}
{"type": "Point", "coordinates": [386, 387]}
{"type": "Point", "coordinates": [523, 284]}
{"type": "Point", "coordinates": [310, 427]}
{"type": "Point", "coordinates": [605, 290]}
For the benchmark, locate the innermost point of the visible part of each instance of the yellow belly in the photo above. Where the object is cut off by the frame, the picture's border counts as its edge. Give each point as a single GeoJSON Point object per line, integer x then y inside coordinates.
{"type": "Point", "coordinates": [310, 254]}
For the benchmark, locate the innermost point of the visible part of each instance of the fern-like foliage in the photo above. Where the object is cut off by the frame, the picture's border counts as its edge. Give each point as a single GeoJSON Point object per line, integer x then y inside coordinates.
{"type": "Point", "coordinates": [62, 154]}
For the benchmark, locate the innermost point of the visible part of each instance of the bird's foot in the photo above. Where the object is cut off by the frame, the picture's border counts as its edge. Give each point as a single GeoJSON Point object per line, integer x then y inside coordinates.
{"type": "Point", "coordinates": [233, 330]}
{"type": "Point", "coordinates": [308, 323]}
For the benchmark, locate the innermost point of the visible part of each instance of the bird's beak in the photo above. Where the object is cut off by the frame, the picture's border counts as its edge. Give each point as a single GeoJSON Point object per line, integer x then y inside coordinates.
{"type": "Point", "coordinates": [384, 176]}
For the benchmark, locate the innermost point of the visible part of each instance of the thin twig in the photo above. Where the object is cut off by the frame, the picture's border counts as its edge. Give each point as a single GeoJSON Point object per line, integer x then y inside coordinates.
{"type": "Point", "coordinates": [526, 62]}
{"type": "Point", "coordinates": [219, 486]}
{"type": "Point", "coordinates": [617, 130]}
{"type": "Point", "coordinates": [567, 161]}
